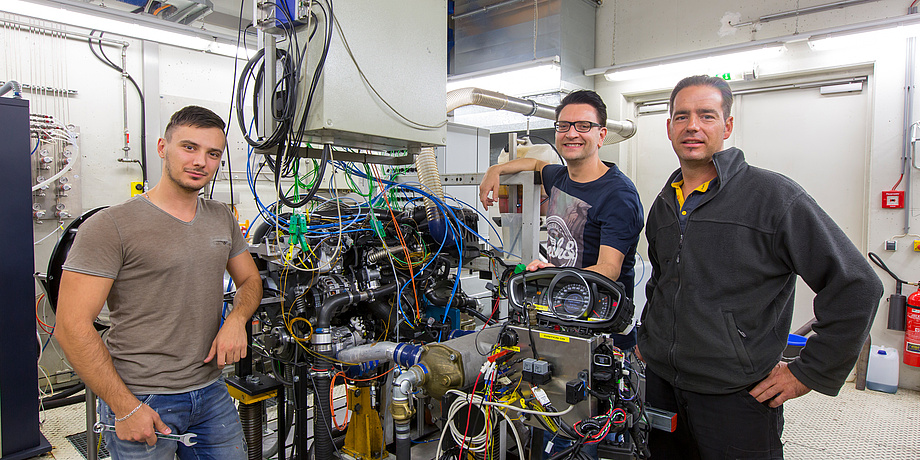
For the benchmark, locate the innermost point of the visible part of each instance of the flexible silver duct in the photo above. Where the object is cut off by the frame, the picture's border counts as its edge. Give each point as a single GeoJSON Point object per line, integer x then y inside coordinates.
{"type": "Point", "coordinates": [482, 97]}
{"type": "Point", "coordinates": [11, 85]}
{"type": "Point", "coordinates": [426, 166]}
{"type": "Point", "coordinates": [380, 351]}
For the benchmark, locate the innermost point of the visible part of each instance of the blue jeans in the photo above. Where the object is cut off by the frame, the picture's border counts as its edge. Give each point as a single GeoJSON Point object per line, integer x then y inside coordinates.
{"type": "Point", "coordinates": [208, 412]}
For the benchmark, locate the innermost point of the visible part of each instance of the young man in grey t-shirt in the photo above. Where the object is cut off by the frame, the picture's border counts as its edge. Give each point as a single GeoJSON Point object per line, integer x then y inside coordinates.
{"type": "Point", "coordinates": [158, 259]}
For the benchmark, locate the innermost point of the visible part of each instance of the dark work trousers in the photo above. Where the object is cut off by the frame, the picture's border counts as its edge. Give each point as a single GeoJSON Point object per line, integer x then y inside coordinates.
{"type": "Point", "coordinates": [713, 427]}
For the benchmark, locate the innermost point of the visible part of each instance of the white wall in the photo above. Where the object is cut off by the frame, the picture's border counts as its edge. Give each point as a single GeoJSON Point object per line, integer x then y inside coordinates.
{"type": "Point", "coordinates": [184, 77]}
{"type": "Point", "coordinates": [657, 28]}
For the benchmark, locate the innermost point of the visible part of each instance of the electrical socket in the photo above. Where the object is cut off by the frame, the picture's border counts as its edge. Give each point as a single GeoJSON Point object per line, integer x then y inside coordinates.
{"type": "Point", "coordinates": [891, 245]}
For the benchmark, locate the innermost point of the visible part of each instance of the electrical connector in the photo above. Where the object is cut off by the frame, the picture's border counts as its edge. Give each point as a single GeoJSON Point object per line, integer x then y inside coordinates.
{"type": "Point", "coordinates": [540, 395]}
{"type": "Point", "coordinates": [500, 357]}
{"type": "Point", "coordinates": [575, 391]}
{"type": "Point", "coordinates": [537, 371]}
{"type": "Point", "coordinates": [661, 419]}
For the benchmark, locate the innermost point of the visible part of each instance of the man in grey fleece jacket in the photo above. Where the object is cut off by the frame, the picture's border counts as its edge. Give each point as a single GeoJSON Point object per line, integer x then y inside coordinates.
{"type": "Point", "coordinates": [727, 241]}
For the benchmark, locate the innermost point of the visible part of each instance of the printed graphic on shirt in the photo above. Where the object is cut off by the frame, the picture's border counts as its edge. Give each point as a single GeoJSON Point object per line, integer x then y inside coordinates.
{"type": "Point", "coordinates": [565, 228]}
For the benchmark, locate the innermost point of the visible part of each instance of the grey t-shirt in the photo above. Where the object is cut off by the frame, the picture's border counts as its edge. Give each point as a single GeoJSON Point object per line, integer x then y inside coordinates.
{"type": "Point", "coordinates": [166, 299]}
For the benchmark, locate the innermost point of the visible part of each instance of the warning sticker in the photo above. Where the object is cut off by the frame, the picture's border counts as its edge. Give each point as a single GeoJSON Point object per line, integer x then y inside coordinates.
{"type": "Point", "coordinates": [913, 347]}
{"type": "Point", "coordinates": [558, 338]}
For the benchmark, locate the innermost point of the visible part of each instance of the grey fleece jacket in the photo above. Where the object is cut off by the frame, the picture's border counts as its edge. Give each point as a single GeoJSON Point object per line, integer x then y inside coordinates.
{"type": "Point", "coordinates": [721, 294]}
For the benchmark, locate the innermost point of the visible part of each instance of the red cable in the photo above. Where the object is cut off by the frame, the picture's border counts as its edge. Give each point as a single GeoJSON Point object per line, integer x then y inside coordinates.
{"type": "Point", "coordinates": [494, 309]}
{"type": "Point", "coordinates": [468, 412]}
{"type": "Point", "coordinates": [902, 174]}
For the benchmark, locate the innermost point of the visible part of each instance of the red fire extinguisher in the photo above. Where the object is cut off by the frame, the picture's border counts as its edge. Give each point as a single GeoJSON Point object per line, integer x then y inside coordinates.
{"type": "Point", "coordinates": [912, 334]}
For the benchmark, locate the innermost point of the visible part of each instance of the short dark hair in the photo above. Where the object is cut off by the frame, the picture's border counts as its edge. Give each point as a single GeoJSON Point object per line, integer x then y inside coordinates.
{"type": "Point", "coordinates": [706, 80]}
{"type": "Point", "coordinates": [195, 117]}
{"type": "Point", "coordinates": [585, 96]}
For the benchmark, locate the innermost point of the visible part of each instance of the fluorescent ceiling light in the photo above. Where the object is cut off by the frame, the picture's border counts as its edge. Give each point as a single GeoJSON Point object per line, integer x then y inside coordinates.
{"type": "Point", "coordinates": [536, 77]}
{"type": "Point", "coordinates": [126, 29]}
{"type": "Point", "coordinates": [730, 63]}
{"type": "Point", "coordinates": [872, 38]}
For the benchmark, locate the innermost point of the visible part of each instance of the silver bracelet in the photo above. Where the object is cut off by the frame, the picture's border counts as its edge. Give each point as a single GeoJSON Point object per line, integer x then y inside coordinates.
{"type": "Point", "coordinates": [129, 414]}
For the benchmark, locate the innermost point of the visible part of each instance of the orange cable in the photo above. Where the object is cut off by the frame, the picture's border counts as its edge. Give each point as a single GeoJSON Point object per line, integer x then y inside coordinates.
{"type": "Point", "coordinates": [331, 392]}
{"type": "Point", "coordinates": [332, 406]}
{"type": "Point", "coordinates": [157, 11]}
{"type": "Point", "coordinates": [418, 312]}
{"type": "Point", "coordinates": [41, 323]}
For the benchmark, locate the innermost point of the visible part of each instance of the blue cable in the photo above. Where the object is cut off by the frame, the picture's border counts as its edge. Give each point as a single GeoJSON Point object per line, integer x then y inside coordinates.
{"type": "Point", "coordinates": [642, 262]}
{"type": "Point", "coordinates": [47, 341]}
{"type": "Point", "coordinates": [454, 232]}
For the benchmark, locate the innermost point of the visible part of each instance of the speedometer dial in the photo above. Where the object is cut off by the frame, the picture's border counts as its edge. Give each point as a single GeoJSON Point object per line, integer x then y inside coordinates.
{"type": "Point", "coordinates": [572, 301]}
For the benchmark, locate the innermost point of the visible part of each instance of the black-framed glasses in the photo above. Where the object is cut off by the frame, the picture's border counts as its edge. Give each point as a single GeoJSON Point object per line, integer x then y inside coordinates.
{"type": "Point", "coordinates": [580, 126]}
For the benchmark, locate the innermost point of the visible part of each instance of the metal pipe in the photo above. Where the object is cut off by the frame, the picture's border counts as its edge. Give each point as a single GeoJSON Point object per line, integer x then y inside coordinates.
{"type": "Point", "coordinates": [91, 452]}
{"type": "Point", "coordinates": [482, 97]}
{"type": "Point", "coordinates": [802, 11]}
{"type": "Point", "coordinates": [908, 116]}
{"type": "Point", "coordinates": [404, 354]}
{"type": "Point", "coordinates": [403, 386]}
{"type": "Point", "coordinates": [73, 35]}
{"type": "Point", "coordinates": [124, 96]}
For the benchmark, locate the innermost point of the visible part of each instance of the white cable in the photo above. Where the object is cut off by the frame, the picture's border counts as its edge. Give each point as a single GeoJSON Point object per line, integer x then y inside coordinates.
{"type": "Point", "coordinates": [47, 380]}
{"type": "Point", "coordinates": [53, 178]}
{"type": "Point", "coordinates": [903, 235]}
{"type": "Point", "coordinates": [519, 409]}
{"type": "Point", "coordinates": [478, 400]}
{"type": "Point", "coordinates": [39, 338]}
{"type": "Point", "coordinates": [472, 443]}
{"type": "Point", "coordinates": [61, 227]}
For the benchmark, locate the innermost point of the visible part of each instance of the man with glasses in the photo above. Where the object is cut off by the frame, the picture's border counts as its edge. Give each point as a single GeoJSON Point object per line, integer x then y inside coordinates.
{"type": "Point", "coordinates": [594, 215]}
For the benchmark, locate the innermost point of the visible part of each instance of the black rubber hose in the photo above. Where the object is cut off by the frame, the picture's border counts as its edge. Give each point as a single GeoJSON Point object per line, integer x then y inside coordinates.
{"type": "Point", "coordinates": [105, 60]}
{"type": "Point", "coordinates": [65, 393]}
{"type": "Point", "coordinates": [333, 304]}
{"type": "Point", "coordinates": [382, 311]}
{"type": "Point", "coordinates": [403, 443]}
{"type": "Point", "coordinates": [322, 441]}
{"type": "Point", "coordinates": [64, 402]}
